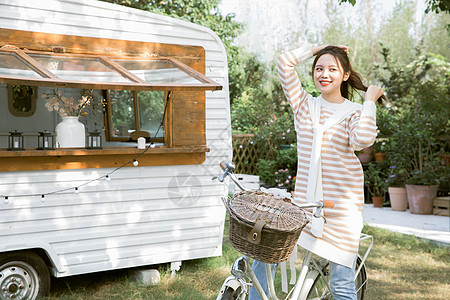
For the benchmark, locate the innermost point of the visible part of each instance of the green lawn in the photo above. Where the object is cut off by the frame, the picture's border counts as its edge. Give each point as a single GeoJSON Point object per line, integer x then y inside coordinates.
{"type": "Point", "coordinates": [399, 267]}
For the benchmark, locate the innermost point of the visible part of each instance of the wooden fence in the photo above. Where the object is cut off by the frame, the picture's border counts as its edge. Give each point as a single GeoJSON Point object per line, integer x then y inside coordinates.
{"type": "Point", "coordinates": [245, 154]}
{"type": "Point", "coordinates": [247, 150]}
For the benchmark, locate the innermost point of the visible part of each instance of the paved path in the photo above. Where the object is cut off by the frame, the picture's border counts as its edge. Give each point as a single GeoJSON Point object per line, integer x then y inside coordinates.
{"type": "Point", "coordinates": [431, 227]}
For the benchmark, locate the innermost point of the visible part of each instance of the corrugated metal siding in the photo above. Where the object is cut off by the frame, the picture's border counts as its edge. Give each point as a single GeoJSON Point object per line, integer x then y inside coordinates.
{"type": "Point", "coordinates": [145, 215]}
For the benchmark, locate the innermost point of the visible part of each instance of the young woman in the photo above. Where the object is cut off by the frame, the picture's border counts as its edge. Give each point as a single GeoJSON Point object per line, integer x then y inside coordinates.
{"type": "Point", "coordinates": [329, 129]}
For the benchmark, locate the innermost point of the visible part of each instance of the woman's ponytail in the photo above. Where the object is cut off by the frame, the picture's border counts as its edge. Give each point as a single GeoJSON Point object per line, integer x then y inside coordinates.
{"type": "Point", "coordinates": [354, 82]}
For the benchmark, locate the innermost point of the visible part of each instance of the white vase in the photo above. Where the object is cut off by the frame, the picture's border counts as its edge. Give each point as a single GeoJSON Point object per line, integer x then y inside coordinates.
{"type": "Point", "coordinates": [70, 133]}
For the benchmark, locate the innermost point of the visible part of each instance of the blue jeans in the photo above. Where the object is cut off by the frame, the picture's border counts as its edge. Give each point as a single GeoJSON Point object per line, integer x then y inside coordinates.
{"type": "Point", "coordinates": [259, 269]}
{"type": "Point", "coordinates": [342, 281]}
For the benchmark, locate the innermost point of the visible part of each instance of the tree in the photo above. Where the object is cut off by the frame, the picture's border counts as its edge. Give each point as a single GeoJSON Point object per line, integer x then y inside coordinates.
{"type": "Point", "coordinates": [396, 32]}
{"type": "Point", "coordinates": [205, 13]}
{"type": "Point", "coordinates": [435, 39]}
{"type": "Point", "coordinates": [202, 12]}
{"type": "Point", "coordinates": [436, 6]}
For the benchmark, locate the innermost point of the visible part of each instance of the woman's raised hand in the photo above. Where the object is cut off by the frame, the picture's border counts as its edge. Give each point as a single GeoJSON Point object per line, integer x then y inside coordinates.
{"type": "Point", "coordinates": [373, 93]}
{"type": "Point", "coordinates": [343, 47]}
{"type": "Point", "coordinates": [316, 49]}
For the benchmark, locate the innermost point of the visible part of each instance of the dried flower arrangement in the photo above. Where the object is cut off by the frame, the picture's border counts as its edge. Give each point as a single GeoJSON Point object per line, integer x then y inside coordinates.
{"type": "Point", "coordinates": [67, 106]}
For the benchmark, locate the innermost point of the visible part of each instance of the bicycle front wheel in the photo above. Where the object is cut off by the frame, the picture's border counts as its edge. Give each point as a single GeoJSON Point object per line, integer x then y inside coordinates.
{"type": "Point", "coordinates": [319, 289]}
{"type": "Point", "coordinates": [230, 294]}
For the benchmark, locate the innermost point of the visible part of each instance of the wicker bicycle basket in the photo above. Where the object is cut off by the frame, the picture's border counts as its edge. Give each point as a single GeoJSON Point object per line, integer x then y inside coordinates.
{"type": "Point", "coordinates": [264, 227]}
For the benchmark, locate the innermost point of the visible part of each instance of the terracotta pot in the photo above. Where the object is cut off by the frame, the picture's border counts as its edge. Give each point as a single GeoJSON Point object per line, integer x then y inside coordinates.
{"type": "Point", "coordinates": [420, 198]}
{"type": "Point", "coordinates": [398, 197]}
{"type": "Point", "coordinates": [377, 201]}
{"type": "Point", "coordinates": [380, 156]}
{"type": "Point", "coordinates": [366, 155]}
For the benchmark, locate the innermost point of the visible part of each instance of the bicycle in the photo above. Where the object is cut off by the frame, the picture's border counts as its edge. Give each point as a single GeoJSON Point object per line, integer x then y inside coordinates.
{"type": "Point", "coordinates": [313, 281]}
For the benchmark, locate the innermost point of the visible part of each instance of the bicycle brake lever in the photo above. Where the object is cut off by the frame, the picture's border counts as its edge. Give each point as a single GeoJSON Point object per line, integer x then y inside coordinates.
{"type": "Point", "coordinates": [318, 212]}
{"type": "Point", "coordinates": [227, 169]}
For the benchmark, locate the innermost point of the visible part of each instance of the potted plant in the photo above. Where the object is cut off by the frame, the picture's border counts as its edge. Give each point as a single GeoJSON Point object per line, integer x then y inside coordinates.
{"type": "Point", "coordinates": [365, 155]}
{"type": "Point", "coordinates": [396, 172]}
{"type": "Point", "coordinates": [396, 189]}
{"type": "Point", "coordinates": [380, 150]}
{"type": "Point", "coordinates": [387, 123]}
{"type": "Point", "coordinates": [418, 93]}
{"type": "Point", "coordinates": [418, 155]}
{"type": "Point", "coordinates": [375, 180]}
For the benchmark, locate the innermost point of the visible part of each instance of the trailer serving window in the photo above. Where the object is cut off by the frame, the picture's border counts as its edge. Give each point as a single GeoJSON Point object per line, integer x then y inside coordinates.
{"type": "Point", "coordinates": [159, 96]}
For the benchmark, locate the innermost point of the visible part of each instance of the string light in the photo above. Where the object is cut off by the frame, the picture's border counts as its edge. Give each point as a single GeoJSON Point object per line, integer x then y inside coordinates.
{"type": "Point", "coordinates": [107, 176]}
{"type": "Point", "coordinates": [76, 189]}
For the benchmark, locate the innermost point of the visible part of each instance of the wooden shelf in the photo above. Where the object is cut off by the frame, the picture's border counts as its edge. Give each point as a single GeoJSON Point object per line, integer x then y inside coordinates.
{"type": "Point", "coordinates": [104, 151]}
{"type": "Point", "coordinates": [79, 158]}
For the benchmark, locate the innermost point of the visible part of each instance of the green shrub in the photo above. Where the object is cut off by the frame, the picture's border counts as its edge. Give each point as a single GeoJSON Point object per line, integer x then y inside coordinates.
{"type": "Point", "coordinates": [281, 171]}
{"type": "Point", "coordinates": [418, 120]}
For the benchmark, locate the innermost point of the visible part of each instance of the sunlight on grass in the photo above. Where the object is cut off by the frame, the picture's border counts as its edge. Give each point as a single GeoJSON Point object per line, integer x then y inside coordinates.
{"type": "Point", "coordinates": [405, 267]}
{"type": "Point", "coordinates": [399, 267]}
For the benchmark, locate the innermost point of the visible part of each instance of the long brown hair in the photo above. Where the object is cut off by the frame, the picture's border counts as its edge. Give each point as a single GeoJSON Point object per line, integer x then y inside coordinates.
{"type": "Point", "coordinates": [354, 81]}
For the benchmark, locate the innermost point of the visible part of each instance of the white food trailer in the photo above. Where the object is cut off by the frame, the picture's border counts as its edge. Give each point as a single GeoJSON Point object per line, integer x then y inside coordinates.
{"type": "Point", "coordinates": [73, 210]}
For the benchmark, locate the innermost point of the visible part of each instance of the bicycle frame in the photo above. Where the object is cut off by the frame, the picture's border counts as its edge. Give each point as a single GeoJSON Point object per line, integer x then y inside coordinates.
{"type": "Point", "coordinates": [241, 267]}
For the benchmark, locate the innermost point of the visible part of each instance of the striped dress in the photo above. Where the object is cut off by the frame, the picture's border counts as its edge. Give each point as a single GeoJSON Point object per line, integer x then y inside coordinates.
{"type": "Point", "coordinates": [342, 174]}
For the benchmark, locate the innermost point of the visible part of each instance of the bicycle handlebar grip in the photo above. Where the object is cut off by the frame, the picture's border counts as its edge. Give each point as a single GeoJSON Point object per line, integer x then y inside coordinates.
{"type": "Point", "coordinates": [223, 165]}
{"type": "Point", "coordinates": [328, 203]}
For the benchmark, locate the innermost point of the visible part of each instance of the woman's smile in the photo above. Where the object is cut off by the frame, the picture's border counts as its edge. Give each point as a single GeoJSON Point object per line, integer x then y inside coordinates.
{"type": "Point", "coordinates": [324, 83]}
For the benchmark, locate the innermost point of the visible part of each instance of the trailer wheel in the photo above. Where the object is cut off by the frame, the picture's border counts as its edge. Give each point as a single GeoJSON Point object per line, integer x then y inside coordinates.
{"type": "Point", "coordinates": [23, 275]}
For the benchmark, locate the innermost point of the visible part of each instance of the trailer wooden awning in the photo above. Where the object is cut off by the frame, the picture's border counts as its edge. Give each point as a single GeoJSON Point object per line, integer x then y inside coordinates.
{"type": "Point", "coordinates": [91, 71]}
{"type": "Point", "coordinates": [79, 62]}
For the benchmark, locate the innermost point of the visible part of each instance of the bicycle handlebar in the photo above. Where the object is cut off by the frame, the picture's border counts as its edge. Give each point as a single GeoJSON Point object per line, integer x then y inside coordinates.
{"type": "Point", "coordinates": [328, 203]}
{"type": "Point", "coordinates": [223, 165]}
{"type": "Point", "coordinates": [228, 169]}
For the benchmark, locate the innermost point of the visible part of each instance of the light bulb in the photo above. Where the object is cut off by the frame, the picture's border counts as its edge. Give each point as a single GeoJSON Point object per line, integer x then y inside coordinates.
{"type": "Point", "coordinates": [152, 145]}
{"type": "Point", "coordinates": [135, 163]}
{"type": "Point", "coordinates": [108, 178]}
{"type": "Point", "coordinates": [42, 198]}
{"type": "Point", "coordinates": [77, 191]}
{"type": "Point", "coordinates": [6, 201]}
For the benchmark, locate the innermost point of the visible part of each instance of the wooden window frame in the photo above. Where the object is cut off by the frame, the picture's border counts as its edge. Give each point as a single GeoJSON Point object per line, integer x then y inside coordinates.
{"type": "Point", "coordinates": [51, 80]}
{"type": "Point", "coordinates": [137, 120]}
{"type": "Point", "coordinates": [185, 132]}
